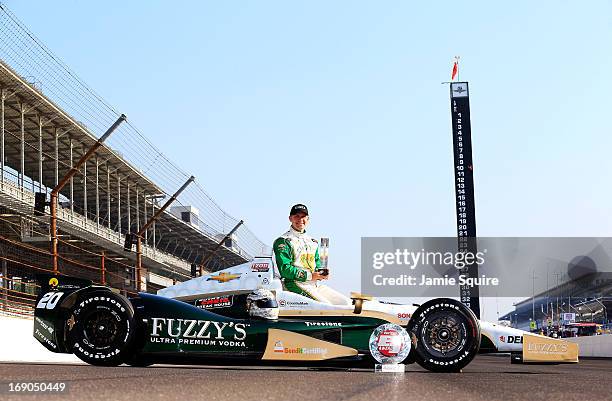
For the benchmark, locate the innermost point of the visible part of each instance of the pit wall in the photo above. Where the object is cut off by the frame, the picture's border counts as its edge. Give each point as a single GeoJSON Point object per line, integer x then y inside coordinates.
{"type": "Point", "coordinates": [17, 344]}
{"type": "Point", "coordinates": [597, 346]}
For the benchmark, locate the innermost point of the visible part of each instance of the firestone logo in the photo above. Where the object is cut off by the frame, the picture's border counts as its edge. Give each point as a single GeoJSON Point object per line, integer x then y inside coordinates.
{"type": "Point", "coordinates": [326, 324]}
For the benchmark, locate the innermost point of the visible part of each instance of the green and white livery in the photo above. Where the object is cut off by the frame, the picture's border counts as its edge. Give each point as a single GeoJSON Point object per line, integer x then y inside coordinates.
{"type": "Point", "coordinates": [297, 257]}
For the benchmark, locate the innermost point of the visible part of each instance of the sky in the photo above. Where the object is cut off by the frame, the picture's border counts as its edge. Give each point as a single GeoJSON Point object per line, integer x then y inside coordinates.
{"type": "Point", "coordinates": [340, 105]}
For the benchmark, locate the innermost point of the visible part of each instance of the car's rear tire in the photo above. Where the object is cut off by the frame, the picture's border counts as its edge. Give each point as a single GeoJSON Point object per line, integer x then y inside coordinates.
{"type": "Point", "coordinates": [445, 335]}
{"type": "Point", "coordinates": [103, 328]}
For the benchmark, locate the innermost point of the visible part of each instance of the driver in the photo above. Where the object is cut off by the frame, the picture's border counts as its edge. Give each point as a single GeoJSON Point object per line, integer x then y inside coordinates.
{"type": "Point", "coordinates": [297, 259]}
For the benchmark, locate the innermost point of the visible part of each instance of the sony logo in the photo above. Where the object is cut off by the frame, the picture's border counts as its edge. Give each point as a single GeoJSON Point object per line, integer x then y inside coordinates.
{"type": "Point", "coordinates": [191, 328]}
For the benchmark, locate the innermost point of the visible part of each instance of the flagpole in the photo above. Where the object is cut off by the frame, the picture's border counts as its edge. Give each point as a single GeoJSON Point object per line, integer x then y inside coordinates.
{"type": "Point", "coordinates": [457, 61]}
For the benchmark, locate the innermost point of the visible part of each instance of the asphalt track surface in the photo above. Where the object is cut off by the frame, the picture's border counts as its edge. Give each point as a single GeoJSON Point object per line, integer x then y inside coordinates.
{"type": "Point", "coordinates": [486, 378]}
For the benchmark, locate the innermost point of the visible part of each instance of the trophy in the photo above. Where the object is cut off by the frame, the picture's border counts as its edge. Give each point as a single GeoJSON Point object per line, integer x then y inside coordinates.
{"type": "Point", "coordinates": [390, 344]}
{"type": "Point", "coordinates": [323, 252]}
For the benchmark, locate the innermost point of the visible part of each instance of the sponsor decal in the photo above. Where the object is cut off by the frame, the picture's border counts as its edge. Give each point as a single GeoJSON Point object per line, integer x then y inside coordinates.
{"type": "Point", "coordinates": [95, 355]}
{"type": "Point", "coordinates": [538, 348]}
{"type": "Point", "coordinates": [280, 349]}
{"type": "Point", "coordinates": [424, 313]}
{"type": "Point", "coordinates": [197, 332]}
{"type": "Point", "coordinates": [389, 343]}
{"type": "Point", "coordinates": [283, 303]}
{"type": "Point", "coordinates": [44, 339]}
{"type": "Point", "coordinates": [71, 322]}
{"type": "Point", "coordinates": [459, 88]}
{"type": "Point", "coordinates": [224, 277]}
{"type": "Point", "coordinates": [215, 302]}
{"type": "Point", "coordinates": [281, 246]}
{"type": "Point", "coordinates": [511, 339]}
{"type": "Point", "coordinates": [44, 325]}
{"type": "Point", "coordinates": [325, 324]}
{"type": "Point", "coordinates": [98, 298]}
{"type": "Point", "coordinates": [55, 285]}
{"type": "Point", "coordinates": [68, 287]}
{"type": "Point", "coordinates": [403, 315]}
{"type": "Point", "coordinates": [547, 348]}
{"type": "Point", "coordinates": [455, 361]}
{"type": "Point", "coordinates": [304, 350]}
{"type": "Point", "coordinates": [260, 267]}
{"type": "Point", "coordinates": [308, 261]}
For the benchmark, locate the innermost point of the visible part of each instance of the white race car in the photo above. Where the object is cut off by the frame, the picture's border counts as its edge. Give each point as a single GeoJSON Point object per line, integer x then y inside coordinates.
{"type": "Point", "coordinates": [445, 334]}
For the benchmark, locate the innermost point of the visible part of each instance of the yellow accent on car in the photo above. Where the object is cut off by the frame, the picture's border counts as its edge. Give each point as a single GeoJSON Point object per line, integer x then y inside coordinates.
{"type": "Point", "coordinates": [286, 345]}
{"type": "Point", "coordinates": [224, 277]}
{"type": "Point", "coordinates": [537, 348]}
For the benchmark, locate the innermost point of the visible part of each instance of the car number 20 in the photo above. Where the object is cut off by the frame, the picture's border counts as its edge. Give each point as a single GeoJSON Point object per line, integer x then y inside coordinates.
{"type": "Point", "coordinates": [49, 300]}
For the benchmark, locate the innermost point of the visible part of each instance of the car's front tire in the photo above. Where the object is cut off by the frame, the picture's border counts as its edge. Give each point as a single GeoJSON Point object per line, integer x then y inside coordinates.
{"type": "Point", "coordinates": [102, 328]}
{"type": "Point", "coordinates": [445, 335]}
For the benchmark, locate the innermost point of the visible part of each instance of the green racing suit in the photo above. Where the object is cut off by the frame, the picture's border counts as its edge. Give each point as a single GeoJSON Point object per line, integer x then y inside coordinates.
{"type": "Point", "coordinates": [297, 257]}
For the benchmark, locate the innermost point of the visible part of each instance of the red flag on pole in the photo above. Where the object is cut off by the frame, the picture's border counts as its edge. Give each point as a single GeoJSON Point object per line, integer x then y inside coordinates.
{"type": "Point", "coordinates": [455, 68]}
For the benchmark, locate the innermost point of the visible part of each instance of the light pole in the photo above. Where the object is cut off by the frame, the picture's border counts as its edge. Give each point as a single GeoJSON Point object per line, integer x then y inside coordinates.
{"type": "Point", "coordinates": [533, 277]}
{"type": "Point", "coordinates": [557, 274]}
{"type": "Point", "coordinates": [144, 228]}
{"type": "Point", "coordinates": [604, 308]}
{"type": "Point", "coordinates": [71, 173]}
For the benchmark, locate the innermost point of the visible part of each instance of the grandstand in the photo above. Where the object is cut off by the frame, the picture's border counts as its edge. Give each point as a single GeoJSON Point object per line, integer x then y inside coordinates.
{"type": "Point", "coordinates": [49, 118]}
{"type": "Point", "coordinates": [589, 297]}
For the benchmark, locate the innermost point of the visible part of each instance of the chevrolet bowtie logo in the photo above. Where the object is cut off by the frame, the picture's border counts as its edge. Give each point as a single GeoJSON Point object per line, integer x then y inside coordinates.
{"type": "Point", "coordinates": [224, 277]}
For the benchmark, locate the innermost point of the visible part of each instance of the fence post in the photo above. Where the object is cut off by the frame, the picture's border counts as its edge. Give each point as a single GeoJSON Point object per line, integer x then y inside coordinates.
{"type": "Point", "coordinates": [103, 282]}
{"type": "Point", "coordinates": [4, 283]}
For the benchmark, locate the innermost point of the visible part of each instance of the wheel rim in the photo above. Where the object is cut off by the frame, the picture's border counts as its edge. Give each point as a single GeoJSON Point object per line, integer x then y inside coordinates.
{"type": "Point", "coordinates": [444, 334]}
{"type": "Point", "coordinates": [101, 328]}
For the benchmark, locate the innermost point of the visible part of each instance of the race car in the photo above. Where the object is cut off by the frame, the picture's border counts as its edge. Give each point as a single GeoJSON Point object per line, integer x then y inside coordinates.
{"type": "Point", "coordinates": [445, 335]}
{"type": "Point", "coordinates": [104, 328]}
{"type": "Point", "coordinates": [242, 315]}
